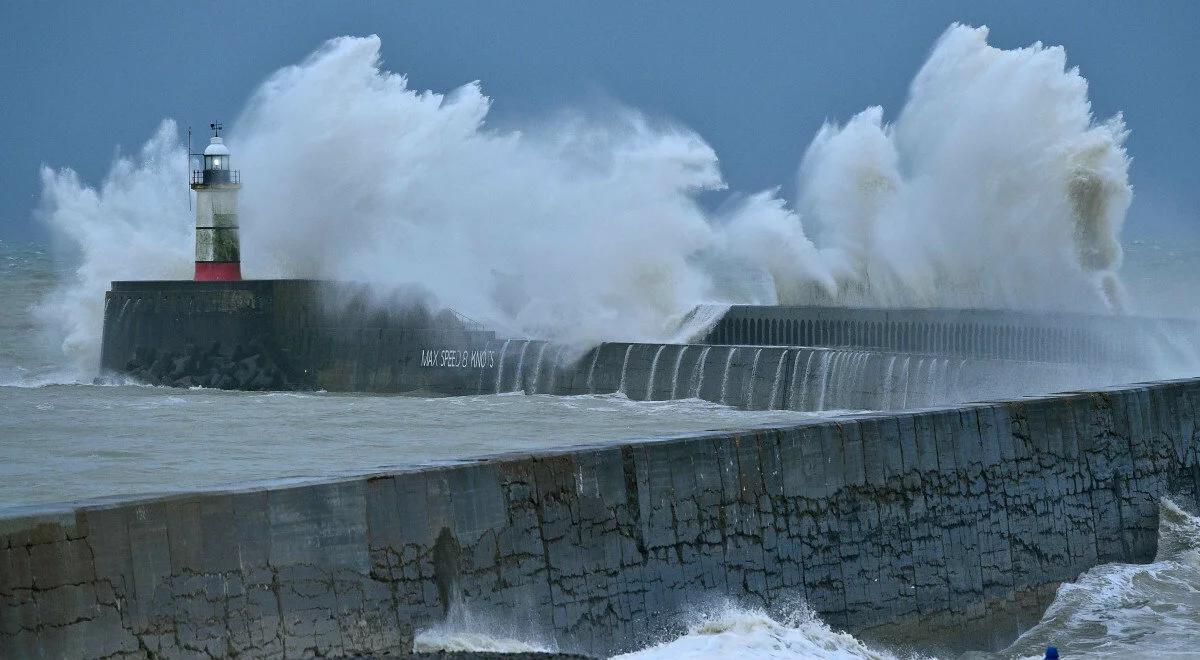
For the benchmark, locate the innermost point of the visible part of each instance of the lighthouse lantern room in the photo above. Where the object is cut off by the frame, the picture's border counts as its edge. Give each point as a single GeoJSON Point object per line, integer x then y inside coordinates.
{"type": "Point", "coordinates": [218, 254]}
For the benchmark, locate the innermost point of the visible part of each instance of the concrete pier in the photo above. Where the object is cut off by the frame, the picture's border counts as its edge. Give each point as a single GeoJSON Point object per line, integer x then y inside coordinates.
{"type": "Point", "coordinates": [882, 522]}
{"type": "Point", "coordinates": [300, 334]}
{"type": "Point", "coordinates": [966, 333]}
{"type": "Point", "coordinates": [774, 377]}
{"type": "Point", "coordinates": [281, 334]}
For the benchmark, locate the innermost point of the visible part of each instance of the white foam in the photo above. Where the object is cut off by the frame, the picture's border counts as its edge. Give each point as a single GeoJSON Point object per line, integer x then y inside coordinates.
{"type": "Point", "coordinates": [431, 641]}
{"type": "Point", "coordinates": [697, 322]}
{"type": "Point", "coordinates": [995, 187]}
{"type": "Point", "coordinates": [1129, 610]}
{"type": "Point", "coordinates": [466, 629]}
{"type": "Point", "coordinates": [732, 631]}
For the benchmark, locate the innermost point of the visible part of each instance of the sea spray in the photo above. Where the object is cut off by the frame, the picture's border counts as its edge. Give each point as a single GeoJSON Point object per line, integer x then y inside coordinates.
{"type": "Point", "coordinates": [721, 630]}
{"type": "Point", "coordinates": [992, 148]}
{"type": "Point", "coordinates": [135, 225]}
{"type": "Point", "coordinates": [697, 323]}
{"type": "Point", "coordinates": [468, 629]}
{"type": "Point", "coordinates": [729, 630]}
{"type": "Point", "coordinates": [422, 168]}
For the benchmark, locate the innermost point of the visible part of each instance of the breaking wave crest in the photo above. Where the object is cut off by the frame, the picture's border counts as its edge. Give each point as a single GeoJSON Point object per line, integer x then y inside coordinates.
{"type": "Point", "coordinates": [135, 225]}
{"type": "Point", "coordinates": [1111, 611]}
{"type": "Point", "coordinates": [733, 631]}
{"type": "Point", "coordinates": [467, 630]}
{"type": "Point", "coordinates": [994, 187]}
{"type": "Point", "coordinates": [1128, 610]}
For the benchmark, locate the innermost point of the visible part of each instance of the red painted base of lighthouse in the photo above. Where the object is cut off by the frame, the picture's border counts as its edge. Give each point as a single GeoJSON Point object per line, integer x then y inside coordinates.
{"type": "Point", "coordinates": [215, 271]}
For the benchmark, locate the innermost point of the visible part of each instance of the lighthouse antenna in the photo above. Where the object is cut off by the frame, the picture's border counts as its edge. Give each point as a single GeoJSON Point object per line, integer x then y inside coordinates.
{"type": "Point", "coordinates": [189, 168]}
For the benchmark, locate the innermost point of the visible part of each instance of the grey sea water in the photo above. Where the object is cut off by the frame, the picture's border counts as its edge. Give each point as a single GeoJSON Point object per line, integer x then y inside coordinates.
{"type": "Point", "coordinates": [65, 442]}
{"type": "Point", "coordinates": [62, 441]}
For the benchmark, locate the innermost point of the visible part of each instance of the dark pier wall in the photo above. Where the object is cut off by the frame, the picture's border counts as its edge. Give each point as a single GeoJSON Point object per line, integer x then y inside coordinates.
{"type": "Point", "coordinates": [769, 377]}
{"type": "Point", "coordinates": [301, 334]}
{"type": "Point", "coordinates": [940, 516]}
{"type": "Point", "coordinates": [280, 334]}
{"type": "Point", "coordinates": [969, 333]}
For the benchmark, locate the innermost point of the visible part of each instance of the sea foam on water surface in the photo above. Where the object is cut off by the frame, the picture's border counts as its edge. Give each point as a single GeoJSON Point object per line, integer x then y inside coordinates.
{"type": "Point", "coordinates": [1129, 610]}
{"type": "Point", "coordinates": [994, 187]}
{"type": "Point", "coordinates": [725, 630]}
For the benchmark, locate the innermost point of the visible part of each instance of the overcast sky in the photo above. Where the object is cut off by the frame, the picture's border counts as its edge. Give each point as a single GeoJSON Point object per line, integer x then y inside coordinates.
{"type": "Point", "coordinates": [82, 80]}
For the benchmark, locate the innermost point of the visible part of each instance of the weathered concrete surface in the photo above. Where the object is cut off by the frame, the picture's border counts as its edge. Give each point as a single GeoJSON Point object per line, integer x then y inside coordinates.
{"type": "Point", "coordinates": [877, 521]}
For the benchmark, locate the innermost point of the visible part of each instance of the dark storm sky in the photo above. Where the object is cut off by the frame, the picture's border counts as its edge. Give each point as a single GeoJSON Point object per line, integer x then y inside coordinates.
{"type": "Point", "coordinates": [83, 80]}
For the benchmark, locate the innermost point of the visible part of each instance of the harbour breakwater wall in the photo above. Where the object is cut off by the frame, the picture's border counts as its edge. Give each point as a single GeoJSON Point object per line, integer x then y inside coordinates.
{"type": "Point", "coordinates": [301, 334]}
{"type": "Point", "coordinates": [770, 377]}
{"type": "Point", "coordinates": [879, 521]}
{"type": "Point", "coordinates": [279, 334]}
{"type": "Point", "coordinates": [964, 333]}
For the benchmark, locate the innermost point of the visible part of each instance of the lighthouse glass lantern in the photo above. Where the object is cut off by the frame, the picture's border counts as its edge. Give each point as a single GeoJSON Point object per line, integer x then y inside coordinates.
{"type": "Point", "coordinates": [218, 253]}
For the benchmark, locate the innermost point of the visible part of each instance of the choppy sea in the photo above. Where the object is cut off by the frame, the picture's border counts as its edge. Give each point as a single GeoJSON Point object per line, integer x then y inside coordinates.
{"type": "Point", "coordinates": [62, 440]}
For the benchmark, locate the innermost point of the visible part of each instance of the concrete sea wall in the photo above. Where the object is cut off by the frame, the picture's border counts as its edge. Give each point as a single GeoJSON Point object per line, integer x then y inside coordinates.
{"type": "Point", "coordinates": [967, 333]}
{"type": "Point", "coordinates": [300, 334]}
{"type": "Point", "coordinates": [882, 521]}
{"type": "Point", "coordinates": [280, 334]}
{"type": "Point", "coordinates": [769, 377]}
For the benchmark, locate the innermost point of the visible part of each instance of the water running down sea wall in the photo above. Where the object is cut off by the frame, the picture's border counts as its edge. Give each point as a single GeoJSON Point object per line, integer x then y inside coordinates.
{"type": "Point", "coordinates": [303, 334]}
{"type": "Point", "coordinates": [881, 522]}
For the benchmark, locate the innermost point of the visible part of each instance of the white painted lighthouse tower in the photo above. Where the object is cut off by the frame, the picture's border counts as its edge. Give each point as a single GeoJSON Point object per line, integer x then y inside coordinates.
{"type": "Point", "coordinates": [218, 253]}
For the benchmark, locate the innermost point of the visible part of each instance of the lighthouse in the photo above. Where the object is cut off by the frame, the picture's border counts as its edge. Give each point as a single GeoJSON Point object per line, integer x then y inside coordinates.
{"type": "Point", "coordinates": [218, 254]}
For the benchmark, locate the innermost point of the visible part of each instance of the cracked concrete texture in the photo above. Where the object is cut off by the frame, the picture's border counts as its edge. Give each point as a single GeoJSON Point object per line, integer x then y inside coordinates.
{"type": "Point", "coordinates": [878, 521]}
